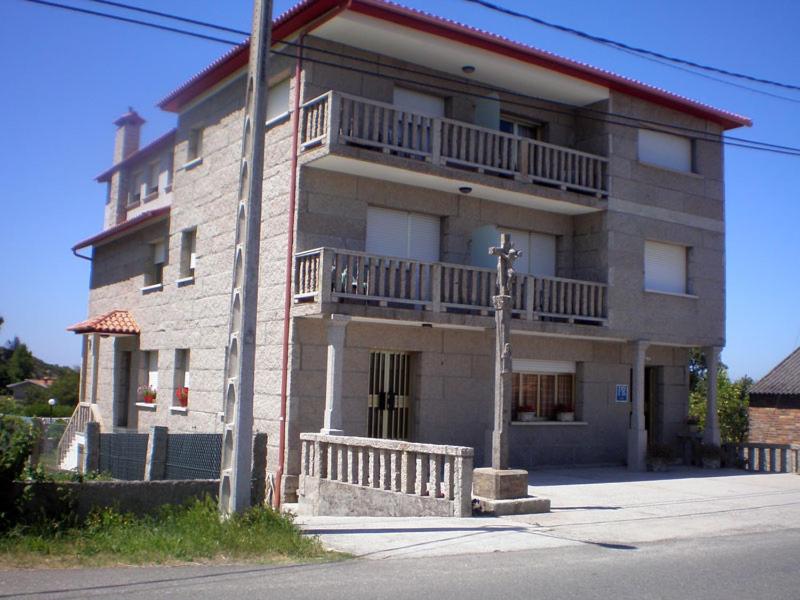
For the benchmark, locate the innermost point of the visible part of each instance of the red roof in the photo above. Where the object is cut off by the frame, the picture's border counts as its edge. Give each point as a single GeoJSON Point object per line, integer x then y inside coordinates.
{"type": "Point", "coordinates": [116, 322]}
{"type": "Point", "coordinates": [153, 146]}
{"type": "Point", "coordinates": [309, 13]}
{"type": "Point", "coordinates": [146, 218]}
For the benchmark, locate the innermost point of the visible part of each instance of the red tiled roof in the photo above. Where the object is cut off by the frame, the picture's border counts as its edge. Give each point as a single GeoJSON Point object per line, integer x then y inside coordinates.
{"type": "Point", "coordinates": [116, 322]}
{"type": "Point", "coordinates": [153, 146]}
{"type": "Point", "coordinates": [310, 11]}
{"type": "Point", "coordinates": [43, 383]}
{"type": "Point", "coordinates": [146, 218]}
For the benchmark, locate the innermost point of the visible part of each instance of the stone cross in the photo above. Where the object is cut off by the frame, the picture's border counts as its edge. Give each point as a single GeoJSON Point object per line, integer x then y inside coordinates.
{"type": "Point", "coordinates": [506, 255]}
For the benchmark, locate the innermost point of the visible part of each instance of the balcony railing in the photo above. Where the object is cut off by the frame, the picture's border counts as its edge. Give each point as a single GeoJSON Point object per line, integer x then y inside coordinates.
{"type": "Point", "coordinates": [341, 118]}
{"type": "Point", "coordinates": [333, 275]}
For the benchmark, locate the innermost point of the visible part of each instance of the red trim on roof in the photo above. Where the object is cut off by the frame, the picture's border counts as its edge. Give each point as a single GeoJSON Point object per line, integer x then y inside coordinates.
{"type": "Point", "coordinates": [286, 24]}
{"type": "Point", "coordinates": [156, 144]}
{"type": "Point", "coordinates": [146, 218]}
{"type": "Point", "coordinates": [307, 11]}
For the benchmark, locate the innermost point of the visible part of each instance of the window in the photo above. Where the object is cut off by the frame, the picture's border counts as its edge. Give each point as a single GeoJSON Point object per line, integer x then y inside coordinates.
{"type": "Point", "coordinates": [278, 100]}
{"type": "Point", "coordinates": [152, 178]}
{"type": "Point", "coordinates": [402, 234]}
{"type": "Point", "coordinates": [158, 253]}
{"type": "Point", "coordinates": [182, 377]}
{"type": "Point", "coordinates": [195, 147]}
{"type": "Point", "coordinates": [188, 253]}
{"type": "Point", "coordinates": [664, 267]}
{"type": "Point", "coordinates": [417, 102]}
{"type": "Point", "coordinates": [538, 250]}
{"type": "Point", "coordinates": [135, 188]}
{"type": "Point", "coordinates": [519, 128]}
{"type": "Point", "coordinates": [149, 376]}
{"type": "Point", "coordinates": [541, 389]}
{"type": "Point", "coordinates": [665, 150]}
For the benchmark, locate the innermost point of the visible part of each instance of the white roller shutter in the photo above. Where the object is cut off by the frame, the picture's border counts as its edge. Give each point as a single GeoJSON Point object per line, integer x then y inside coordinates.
{"type": "Point", "coordinates": [664, 267]}
{"type": "Point", "coordinates": [528, 365]}
{"type": "Point", "coordinates": [665, 150]}
{"type": "Point", "coordinates": [417, 102]}
{"type": "Point", "coordinates": [402, 234]}
{"type": "Point", "coordinates": [543, 254]}
{"type": "Point", "coordinates": [278, 100]}
{"type": "Point", "coordinates": [152, 369]}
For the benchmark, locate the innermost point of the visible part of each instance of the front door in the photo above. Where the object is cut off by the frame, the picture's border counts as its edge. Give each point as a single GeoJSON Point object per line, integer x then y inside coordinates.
{"type": "Point", "coordinates": [651, 405]}
{"type": "Point", "coordinates": [388, 403]}
{"type": "Point", "coordinates": [123, 391]}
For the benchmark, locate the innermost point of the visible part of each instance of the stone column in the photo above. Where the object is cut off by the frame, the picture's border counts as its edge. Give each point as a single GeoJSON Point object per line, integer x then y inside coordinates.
{"type": "Point", "coordinates": [637, 434]}
{"type": "Point", "coordinates": [91, 449]}
{"type": "Point", "coordinates": [502, 382]}
{"type": "Point", "coordinates": [337, 327]}
{"type": "Point", "coordinates": [711, 435]}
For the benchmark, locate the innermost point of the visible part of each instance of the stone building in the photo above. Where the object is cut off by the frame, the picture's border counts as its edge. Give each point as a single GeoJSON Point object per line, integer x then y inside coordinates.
{"type": "Point", "coordinates": [774, 411]}
{"type": "Point", "coordinates": [418, 141]}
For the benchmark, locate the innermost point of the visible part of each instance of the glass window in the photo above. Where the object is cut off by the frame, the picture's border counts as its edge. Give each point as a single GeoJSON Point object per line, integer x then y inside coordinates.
{"type": "Point", "coordinates": [188, 253]}
{"type": "Point", "coordinates": [195, 147]}
{"type": "Point", "coordinates": [540, 396]}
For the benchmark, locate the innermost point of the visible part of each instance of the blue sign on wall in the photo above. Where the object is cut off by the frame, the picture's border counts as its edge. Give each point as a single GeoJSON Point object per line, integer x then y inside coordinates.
{"type": "Point", "coordinates": [622, 392]}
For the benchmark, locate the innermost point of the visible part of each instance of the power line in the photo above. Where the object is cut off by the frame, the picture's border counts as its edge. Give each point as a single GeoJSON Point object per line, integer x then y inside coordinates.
{"type": "Point", "coordinates": [636, 123]}
{"type": "Point", "coordinates": [621, 45]}
{"type": "Point", "coordinates": [86, 11]}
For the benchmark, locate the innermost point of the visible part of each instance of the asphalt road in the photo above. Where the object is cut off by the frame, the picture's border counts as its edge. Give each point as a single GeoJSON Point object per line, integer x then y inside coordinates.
{"type": "Point", "coordinates": [761, 566]}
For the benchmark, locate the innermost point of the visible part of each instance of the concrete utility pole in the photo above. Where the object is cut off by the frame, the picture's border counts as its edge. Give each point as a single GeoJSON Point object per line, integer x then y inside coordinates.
{"type": "Point", "coordinates": [237, 440]}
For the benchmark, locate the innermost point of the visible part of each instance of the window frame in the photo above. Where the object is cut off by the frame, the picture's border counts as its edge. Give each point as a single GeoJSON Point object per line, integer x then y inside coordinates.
{"type": "Point", "coordinates": [647, 281]}
{"type": "Point", "coordinates": [194, 146]}
{"type": "Point", "coordinates": [665, 135]}
{"type": "Point", "coordinates": [188, 255]}
{"type": "Point", "coordinates": [541, 371]}
{"type": "Point", "coordinates": [517, 122]}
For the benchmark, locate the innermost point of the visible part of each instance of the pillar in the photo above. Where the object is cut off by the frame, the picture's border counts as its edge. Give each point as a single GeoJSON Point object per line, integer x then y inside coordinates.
{"type": "Point", "coordinates": [337, 327]}
{"type": "Point", "coordinates": [91, 449]}
{"type": "Point", "coordinates": [711, 435]}
{"type": "Point", "coordinates": [155, 466]}
{"type": "Point", "coordinates": [637, 434]}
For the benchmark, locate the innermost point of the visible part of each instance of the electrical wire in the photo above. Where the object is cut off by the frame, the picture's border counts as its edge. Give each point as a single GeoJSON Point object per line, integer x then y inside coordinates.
{"type": "Point", "coordinates": [636, 123]}
{"type": "Point", "coordinates": [620, 45]}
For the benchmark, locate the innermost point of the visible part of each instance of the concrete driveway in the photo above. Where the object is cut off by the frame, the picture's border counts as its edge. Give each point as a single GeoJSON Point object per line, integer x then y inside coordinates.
{"type": "Point", "coordinates": [607, 507]}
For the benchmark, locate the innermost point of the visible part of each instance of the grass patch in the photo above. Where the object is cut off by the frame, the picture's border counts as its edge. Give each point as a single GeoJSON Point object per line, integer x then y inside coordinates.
{"type": "Point", "coordinates": [191, 533]}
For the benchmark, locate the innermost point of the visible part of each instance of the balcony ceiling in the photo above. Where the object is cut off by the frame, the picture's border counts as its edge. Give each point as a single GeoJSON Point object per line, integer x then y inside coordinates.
{"type": "Point", "coordinates": [449, 56]}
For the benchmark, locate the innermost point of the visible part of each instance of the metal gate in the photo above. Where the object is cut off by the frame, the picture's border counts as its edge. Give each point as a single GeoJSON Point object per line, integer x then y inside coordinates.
{"type": "Point", "coordinates": [389, 397]}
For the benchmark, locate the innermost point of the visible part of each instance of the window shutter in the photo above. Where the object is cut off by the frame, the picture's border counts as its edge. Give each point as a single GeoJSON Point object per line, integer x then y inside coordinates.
{"type": "Point", "coordinates": [423, 237]}
{"type": "Point", "coordinates": [527, 365]}
{"type": "Point", "coordinates": [543, 254]}
{"type": "Point", "coordinates": [387, 232]}
{"type": "Point", "coordinates": [665, 150]}
{"type": "Point", "coordinates": [278, 99]}
{"type": "Point", "coordinates": [152, 369]}
{"type": "Point", "coordinates": [665, 267]}
{"type": "Point", "coordinates": [159, 253]}
{"type": "Point", "coordinates": [417, 102]}
{"type": "Point", "coordinates": [522, 242]}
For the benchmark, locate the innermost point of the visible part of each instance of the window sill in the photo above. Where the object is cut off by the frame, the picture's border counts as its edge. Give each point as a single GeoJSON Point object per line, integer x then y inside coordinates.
{"type": "Point", "coordinates": [147, 405]}
{"type": "Point", "coordinates": [185, 281]}
{"type": "Point", "coordinates": [195, 162]}
{"type": "Point", "coordinates": [676, 294]}
{"type": "Point", "coordinates": [132, 204]}
{"type": "Point", "coordinates": [156, 287]}
{"type": "Point", "coordinates": [151, 196]}
{"type": "Point", "coordinates": [278, 120]}
{"type": "Point", "coordinates": [181, 410]}
{"type": "Point", "coordinates": [550, 423]}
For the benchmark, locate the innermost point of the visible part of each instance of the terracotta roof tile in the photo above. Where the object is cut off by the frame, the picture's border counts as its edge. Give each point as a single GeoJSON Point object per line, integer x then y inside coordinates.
{"type": "Point", "coordinates": [116, 322]}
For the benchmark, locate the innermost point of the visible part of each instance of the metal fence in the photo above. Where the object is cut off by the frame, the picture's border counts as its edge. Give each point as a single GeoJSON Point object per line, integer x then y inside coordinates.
{"type": "Point", "coordinates": [193, 455]}
{"type": "Point", "coordinates": [123, 455]}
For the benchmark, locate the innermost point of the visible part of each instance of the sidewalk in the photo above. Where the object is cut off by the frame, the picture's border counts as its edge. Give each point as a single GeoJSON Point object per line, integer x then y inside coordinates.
{"type": "Point", "coordinates": [609, 507]}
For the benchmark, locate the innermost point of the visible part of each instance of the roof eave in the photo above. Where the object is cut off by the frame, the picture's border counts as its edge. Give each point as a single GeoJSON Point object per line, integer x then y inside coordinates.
{"type": "Point", "coordinates": [141, 221]}
{"type": "Point", "coordinates": [153, 146]}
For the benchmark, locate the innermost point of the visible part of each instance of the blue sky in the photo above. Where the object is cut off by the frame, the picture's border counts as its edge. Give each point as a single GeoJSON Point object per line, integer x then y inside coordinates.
{"type": "Point", "coordinates": [67, 77]}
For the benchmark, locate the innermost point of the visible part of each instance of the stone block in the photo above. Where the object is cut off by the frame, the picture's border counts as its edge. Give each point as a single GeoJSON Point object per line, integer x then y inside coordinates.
{"type": "Point", "coordinates": [497, 484]}
{"type": "Point", "coordinates": [514, 506]}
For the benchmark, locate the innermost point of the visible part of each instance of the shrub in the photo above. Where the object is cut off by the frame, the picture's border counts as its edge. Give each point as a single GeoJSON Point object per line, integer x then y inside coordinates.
{"type": "Point", "coordinates": [16, 442]}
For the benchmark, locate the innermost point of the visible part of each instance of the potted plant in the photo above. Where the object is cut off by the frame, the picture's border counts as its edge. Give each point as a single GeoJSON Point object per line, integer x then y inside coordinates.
{"type": "Point", "coordinates": [564, 413]}
{"type": "Point", "coordinates": [182, 396]}
{"type": "Point", "coordinates": [149, 393]}
{"type": "Point", "coordinates": [659, 457]}
{"type": "Point", "coordinates": [526, 414]}
{"type": "Point", "coordinates": [692, 423]}
{"type": "Point", "coordinates": [712, 456]}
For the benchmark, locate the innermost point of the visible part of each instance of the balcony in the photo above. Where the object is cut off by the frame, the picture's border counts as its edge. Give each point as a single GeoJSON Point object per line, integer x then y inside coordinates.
{"type": "Point", "coordinates": [341, 119]}
{"type": "Point", "coordinates": [327, 275]}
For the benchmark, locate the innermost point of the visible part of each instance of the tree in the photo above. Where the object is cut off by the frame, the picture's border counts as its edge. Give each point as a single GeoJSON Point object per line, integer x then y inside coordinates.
{"type": "Point", "coordinates": [20, 364]}
{"type": "Point", "coordinates": [733, 398]}
{"type": "Point", "coordinates": [65, 388]}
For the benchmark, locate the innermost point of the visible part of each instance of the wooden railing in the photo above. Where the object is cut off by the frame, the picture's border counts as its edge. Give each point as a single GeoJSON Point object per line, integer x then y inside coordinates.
{"type": "Point", "coordinates": [341, 118]}
{"type": "Point", "coordinates": [77, 424]}
{"type": "Point", "coordinates": [332, 275]}
{"type": "Point", "coordinates": [769, 458]}
{"type": "Point", "coordinates": [442, 474]}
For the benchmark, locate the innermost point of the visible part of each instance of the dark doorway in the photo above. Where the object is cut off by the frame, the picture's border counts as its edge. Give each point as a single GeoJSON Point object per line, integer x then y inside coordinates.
{"type": "Point", "coordinates": [123, 391]}
{"type": "Point", "coordinates": [651, 417]}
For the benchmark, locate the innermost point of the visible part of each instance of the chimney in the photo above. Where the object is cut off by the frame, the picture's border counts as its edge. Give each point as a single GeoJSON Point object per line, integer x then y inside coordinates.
{"type": "Point", "coordinates": [129, 126]}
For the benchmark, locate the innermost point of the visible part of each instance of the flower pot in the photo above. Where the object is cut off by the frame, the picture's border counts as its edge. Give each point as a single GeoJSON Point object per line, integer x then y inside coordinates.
{"type": "Point", "coordinates": [149, 399]}
{"type": "Point", "coordinates": [182, 396]}
{"type": "Point", "coordinates": [526, 416]}
{"type": "Point", "coordinates": [565, 416]}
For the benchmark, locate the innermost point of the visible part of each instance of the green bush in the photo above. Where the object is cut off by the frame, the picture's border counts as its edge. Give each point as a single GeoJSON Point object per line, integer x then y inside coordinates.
{"type": "Point", "coordinates": [16, 441]}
